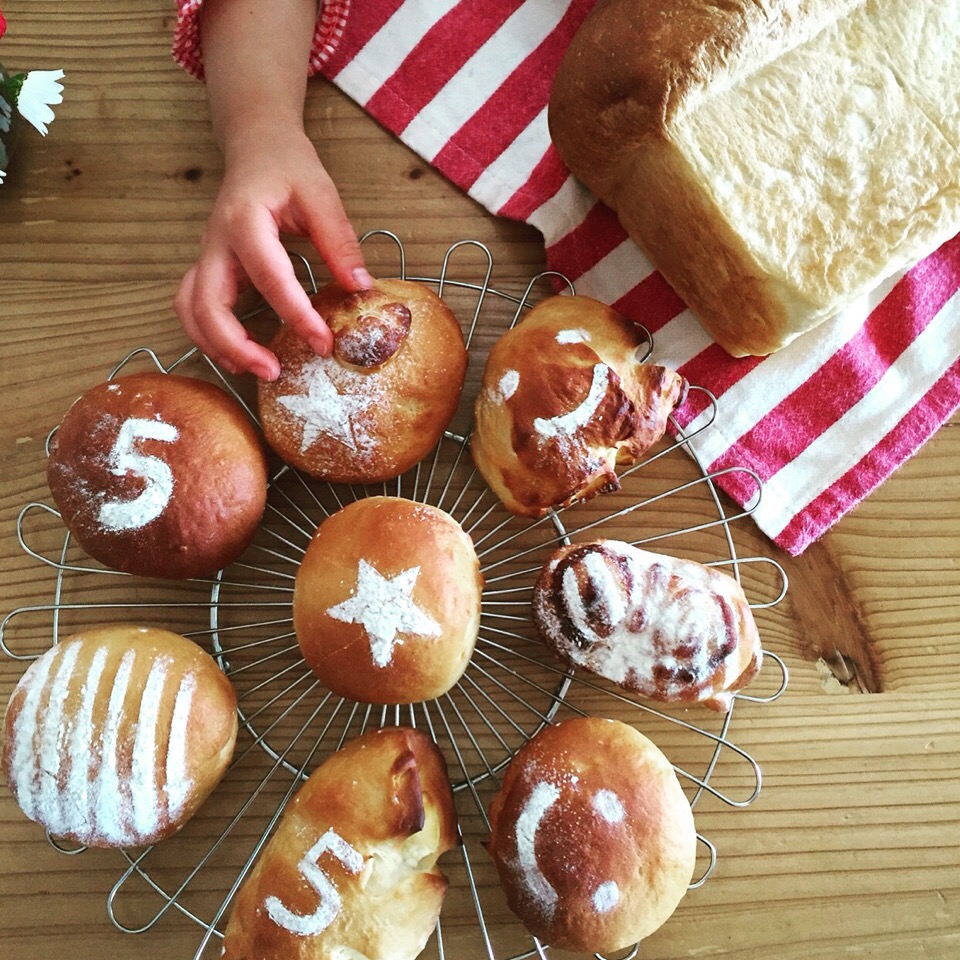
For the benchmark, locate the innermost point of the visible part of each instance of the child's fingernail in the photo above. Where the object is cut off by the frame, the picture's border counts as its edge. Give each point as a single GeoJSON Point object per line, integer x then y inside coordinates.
{"type": "Point", "coordinates": [320, 345]}
{"type": "Point", "coordinates": [362, 278]}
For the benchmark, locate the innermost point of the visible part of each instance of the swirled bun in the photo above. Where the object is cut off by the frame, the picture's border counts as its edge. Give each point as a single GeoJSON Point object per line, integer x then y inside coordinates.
{"type": "Point", "coordinates": [673, 630]}
{"type": "Point", "coordinates": [159, 475]}
{"type": "Point", "coordinates": [386, 605]}
{"type": "Point", "coordinates": [116, 735]}
{"type": "Point", "coordinates": [592, 836]}
{"type": "Point", "coordinates": [351, 871]}
{"type": "Point", "coordinates": [381, 401]}
{"type": "Point", "coordinates": [563, 401]}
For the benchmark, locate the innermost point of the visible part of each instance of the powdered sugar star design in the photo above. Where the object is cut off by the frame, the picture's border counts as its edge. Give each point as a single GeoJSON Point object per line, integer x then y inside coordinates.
{"type": "Point", "coordinates": [384, 607]}
{"type": "Point", "coordinates": [323, 409]}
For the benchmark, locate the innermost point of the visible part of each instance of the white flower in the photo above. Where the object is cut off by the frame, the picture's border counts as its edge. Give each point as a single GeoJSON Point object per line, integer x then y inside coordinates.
{"type": "Point", "coordinates": [40, 88]}
{"type": "Point", "coordinates": [3, 173]}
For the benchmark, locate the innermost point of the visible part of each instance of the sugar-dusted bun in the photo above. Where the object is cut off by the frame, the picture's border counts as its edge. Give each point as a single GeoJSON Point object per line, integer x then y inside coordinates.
{"type": "Point", "coordinates": [592, 836]}
{"type": "Point", "coordinates": [564, 399]}
{"type": "Point", "coordinates": [351, 871]}
{"type": "Point", "coordinates": [159, 475]}
{"type": "Point", "coordinates": [386, 605]}
{"type": "Point", "coordinates": [116, 735]}
{"type": "Point", "coordinates": [673, 630]}
{"type": "Point", "coordinates": [380, 403]}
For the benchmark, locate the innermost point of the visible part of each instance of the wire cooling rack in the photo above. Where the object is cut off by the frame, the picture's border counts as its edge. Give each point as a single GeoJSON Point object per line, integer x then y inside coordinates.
{"type": "Point", "coordinates": [511, 689]}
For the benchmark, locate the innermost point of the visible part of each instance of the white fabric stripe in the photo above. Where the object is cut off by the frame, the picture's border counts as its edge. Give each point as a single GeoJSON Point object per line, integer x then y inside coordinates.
{"type": "Point", "coordinates": [752, 398]}
{"type": "Point", "coordinates": [679, 340]}
{"type": "Point", "coordinates": [847, 441]}
{"type": "Point", "coordinates": [616, 274]}
{"type": "Point", "coordinates": [514, 167]}
{"type": "Point", "coordinates": [562, 213]}
{"type": "Point", "coordinates": [390, 46]}
{"type": "Point", "coordinates": [480, 77]}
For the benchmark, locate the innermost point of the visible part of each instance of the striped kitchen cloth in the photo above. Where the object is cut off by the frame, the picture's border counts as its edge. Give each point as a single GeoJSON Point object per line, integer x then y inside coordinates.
{"type": "Point", "coordinates": [823, 422]}
{"type": "Point", "coordinates": [465, 84]}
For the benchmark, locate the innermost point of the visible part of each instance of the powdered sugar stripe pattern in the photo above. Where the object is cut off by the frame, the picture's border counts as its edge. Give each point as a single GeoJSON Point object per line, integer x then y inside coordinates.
{"type": "Point", "coordinates": [179, 784]}
{"type": "Point", "coordinates": [144, 789]}
{"type": "Point", "coordinates": [23, 769]}
{"type": "Point", "coordinates": [109, 812]}
{"type": "Point", "coordinates": [96, 736]}
{"type": "Point", "coordinates": [83, 738]}
{"type": "Point", "coordinates": [53, 735]}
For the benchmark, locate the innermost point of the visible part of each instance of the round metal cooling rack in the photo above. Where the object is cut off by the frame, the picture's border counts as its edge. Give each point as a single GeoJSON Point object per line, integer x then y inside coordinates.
{"type": "Point", "coordinates": [511, 689]}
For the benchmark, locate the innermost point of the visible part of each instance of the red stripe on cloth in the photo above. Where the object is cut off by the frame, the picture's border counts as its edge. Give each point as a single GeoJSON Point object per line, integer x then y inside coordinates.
{"type": "Point", "coordinates": [588, 243]}
{"type": "Point", "coordinates": [843, 380]}
{"type": "Point", "coordinates": [437, 57]}
{"type": "Point", "coordinates": [512, 107]}
{"type": "Point", "coordinates": [716, 370]}
{"type": "Point", "coordinates": [547, 178]}
{"type": "Point", "coordinates": [363, 21]}
{"type": "Point", "coordinates": [901, 443]}
{"type": "Point", "coordinates": [652, 302]}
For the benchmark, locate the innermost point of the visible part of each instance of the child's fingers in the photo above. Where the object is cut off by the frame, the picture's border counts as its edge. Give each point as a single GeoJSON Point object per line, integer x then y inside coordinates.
{"type": "Point", "coordinates": [325, 222]}
{"type": "Point", "coordinates": [204, 305]}
{"type": "Point", "coordinates": [269, 268]}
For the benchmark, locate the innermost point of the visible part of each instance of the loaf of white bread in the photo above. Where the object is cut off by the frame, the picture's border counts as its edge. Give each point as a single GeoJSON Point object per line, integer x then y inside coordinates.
{"type": "Point", "coordinates": [775, 160]}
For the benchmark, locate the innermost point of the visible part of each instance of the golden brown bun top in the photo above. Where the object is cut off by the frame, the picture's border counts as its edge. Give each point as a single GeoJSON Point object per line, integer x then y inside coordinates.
{"type": "Point", "coordinates": [387, 601]}
{"type": "Point", "coordinates": [592, 835]}
{"type": "Point", "coordinates": [564, 399]}
{"type": "Point", "coordinates": [115, 735]}
{"type": "Point", "coordinates": [159, 474]}
{"type": "Point", "coordinates": [382, 400]}
{"type": "Point", "coordinates": [374, 818]}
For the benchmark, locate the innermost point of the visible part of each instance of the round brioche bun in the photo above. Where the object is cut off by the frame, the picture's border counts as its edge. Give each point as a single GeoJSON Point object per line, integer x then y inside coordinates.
{"type": "Point", "coordinates": [116, 735]}
{"type": "Point", "coordinates": [386, 605]}
{"type": "Point", "coordinates": [159, 475]}
{"type": "Point", "coordinates": [380, 402]}
{"type": "Point", "coordinates": [564, 400]}
{"type": "Point", "coordinates": [592, 836]}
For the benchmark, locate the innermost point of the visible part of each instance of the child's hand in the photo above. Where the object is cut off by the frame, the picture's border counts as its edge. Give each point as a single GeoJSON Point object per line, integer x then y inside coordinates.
{"type": "Point", "coordinates": [274, 184]}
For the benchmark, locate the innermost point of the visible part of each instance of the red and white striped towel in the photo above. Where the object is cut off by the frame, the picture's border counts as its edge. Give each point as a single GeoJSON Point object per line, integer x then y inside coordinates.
{"type": "Point", "coordinates": [465, 84]}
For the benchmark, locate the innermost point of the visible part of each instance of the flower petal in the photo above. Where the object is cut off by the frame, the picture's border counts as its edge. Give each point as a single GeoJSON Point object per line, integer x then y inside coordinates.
{"type": "Point", "coordinates": [40, 88]}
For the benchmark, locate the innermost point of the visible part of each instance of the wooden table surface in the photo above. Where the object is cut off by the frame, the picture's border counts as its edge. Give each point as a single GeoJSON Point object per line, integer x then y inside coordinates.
{"type": "Point", "coordinates": [852, 847]}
